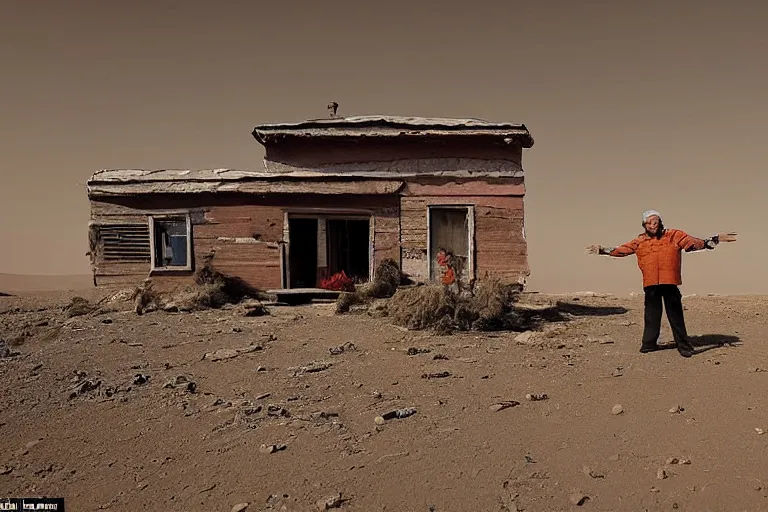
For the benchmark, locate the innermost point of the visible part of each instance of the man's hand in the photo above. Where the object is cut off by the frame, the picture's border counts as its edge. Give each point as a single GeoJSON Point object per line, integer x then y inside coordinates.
{"type": "Point", "coordinates": [593, 249]}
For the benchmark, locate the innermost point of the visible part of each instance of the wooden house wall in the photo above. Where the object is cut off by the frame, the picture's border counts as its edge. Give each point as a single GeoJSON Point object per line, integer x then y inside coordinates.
{"type": "Point", "coordinates": [223, 223]}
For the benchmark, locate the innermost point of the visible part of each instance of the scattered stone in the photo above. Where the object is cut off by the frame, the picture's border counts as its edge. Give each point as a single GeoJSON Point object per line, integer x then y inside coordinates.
{"type": "Point", "coordinates": [524, 337]}
{"type": "Point", "coordinates": [760, 431]}
{"type": "Point", "coordinates": [229, 353]}
{"type": "Point", "coordinates": [140, 379]}
{"type": "Point", "coordinates": [618, 371]}
{"type": "Point", "coordinates": [312, 367]}
{"type": "Point", "coordinates": [672, 460]}
{"type": "Point", "coordinates": [398, 413]}
{"type": "Point", "coordinates": [347, 347]}
{"type": "Point", "coordinates": [413, 351]}
{"type": "Point", "coordinates": [324, 415]}
{"type": "Point", "coordinates": [5, 470]}
{"type": "Point", "coordinates": [536, 397]}
{"type": "Point", "coordinates": [250, 307]}
{"type": "Point", "coordinates": [661, 474]}
{"type": "Point", "coordinates": [263, 396]}
{"type": "Point", "coordinates": [436, 375]}
{"type": "Point", "coordinates": [500, 406]}
{"type": "Point", "coordinates": [617, 409]}
{"type": "Point", "coordinates": [440, 357]}
{"type": "Point", "coordinates": [107, 321]}
{"type": "Point", "coordinates": [579, 499]}
{"type": "Point", "coordinates": [676, 409]}
{"type": "Point", "coordinates": [271, 448]}
{"type": "Point", "coordinates": [240, 507]}
{"type": "Point", "coordinates": [329, 502]}
{"type": "Point", "coordinates": [592, 473]}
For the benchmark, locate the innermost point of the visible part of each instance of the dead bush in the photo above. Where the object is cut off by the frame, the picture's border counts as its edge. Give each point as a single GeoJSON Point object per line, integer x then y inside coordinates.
{"type": "Point", "coordinates": [210, 289]}
{"type": "Point", "coordinates": [386, 280]}
{"type": "Point", "coordinates": [489, 307]}
{"type": "Point", "coordinates": [79, 306]}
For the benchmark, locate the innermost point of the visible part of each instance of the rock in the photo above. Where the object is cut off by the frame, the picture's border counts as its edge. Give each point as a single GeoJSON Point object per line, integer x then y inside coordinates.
{"type": "Point", "coordinates": [271, 448]}
{"type": "Point", "coordinates": [240, 507]}
{"type": "Point", "coordinates": [329, 502]}
{"type": "Point", "coordinates": [617, 409]}
{"type": "Point", "coordinates": [579, 499]}
{"type": "Point", "coordinates": [592, 473]}
{"type": "Point", "coordinates": [760, 431]}
{"type": "Point", "coordinates": [661, 474]}
{"type": "Point", "coordinates": [250, 307]}
{"type": "Point", "coordinates": [676, 409]}
{"type": "Point", "coordinates": [5, 470]}
{"type": "Point", "coordinates": [229, 353]}
{"type": "Point", "coordinates": [379, 420]}
{"type": "Point", "coordinates": [32, 444]}
{"type": "Point", "coordinates": [672, 460]}
{"type": "Point", "coordinates": [524, 337]}
{"type": "Point", "coordinates": [536, 397]}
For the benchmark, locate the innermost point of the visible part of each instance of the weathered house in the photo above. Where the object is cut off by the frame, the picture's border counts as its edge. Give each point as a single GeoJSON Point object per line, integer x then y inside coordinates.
{"type": "Point", "coordinates": [439, 196]}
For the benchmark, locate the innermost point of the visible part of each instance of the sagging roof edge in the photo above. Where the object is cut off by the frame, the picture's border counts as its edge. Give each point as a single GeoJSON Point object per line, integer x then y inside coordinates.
{"type": "Point", "coordinates": [391, 126]}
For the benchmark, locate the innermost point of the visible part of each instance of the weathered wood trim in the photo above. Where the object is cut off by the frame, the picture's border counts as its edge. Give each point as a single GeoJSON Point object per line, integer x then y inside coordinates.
{"type": "Point", "coordinates": [474, 188]}
{"type": "Point", "coordinates": [182, 186]}
{"type": "Point", "coordinates": [413, 167]}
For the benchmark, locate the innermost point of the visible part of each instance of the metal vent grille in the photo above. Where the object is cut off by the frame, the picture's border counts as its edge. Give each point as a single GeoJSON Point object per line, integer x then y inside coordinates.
{"type": "Point", "coordinates": [125, 242]}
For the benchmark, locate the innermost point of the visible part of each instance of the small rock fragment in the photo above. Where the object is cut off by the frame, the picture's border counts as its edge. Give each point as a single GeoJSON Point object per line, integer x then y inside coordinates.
{"type": "Point", "coordinates": [672, 460]}
{"type": "Point", "coordinates": [661, 474]}
{"type": "Point", "coordinates": [329, 502]}
{"type": "Point", "coordinates": [271, 448]}
{"type": "Point", "coordinates": [379, 420]}
{"type": "Point", "coordinates": [5, 470]}
{"type": "Point", "coordinates": [500, 406]}
{"type": "Point", "coordinates": [536, 397]}
{"type": "Point", "coordinates": [617, 409]}
{"type": "Point", "coordinates": [676, 409]}
{"type": "Point", "coordinates": [760, 431]}
{"type": "Point", "coordinates": [240, 507]}
{"type": "Point", "coordinates": [592, 473]}
{"type": "Point", "coordinates": [579, 499]}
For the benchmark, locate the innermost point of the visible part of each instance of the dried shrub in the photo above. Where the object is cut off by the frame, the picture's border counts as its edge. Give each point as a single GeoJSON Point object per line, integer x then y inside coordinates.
{"type": "Point", "coordinates": [211, 289]}
{"type": "Point", "coordinates": [386, 280]}
{"type": "Point", "coordinates": [79, 306]}
{"type": "Point", "coordinates": [489, 307]}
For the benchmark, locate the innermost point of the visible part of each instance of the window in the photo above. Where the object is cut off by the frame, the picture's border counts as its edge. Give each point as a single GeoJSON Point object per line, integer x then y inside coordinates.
{"type": "Point", "coordinates": [171, 237]}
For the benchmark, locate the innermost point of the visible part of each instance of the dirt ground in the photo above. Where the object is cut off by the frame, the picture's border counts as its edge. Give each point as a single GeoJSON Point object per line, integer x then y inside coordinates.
{"type": "Point", "coordinates": [257, 428]}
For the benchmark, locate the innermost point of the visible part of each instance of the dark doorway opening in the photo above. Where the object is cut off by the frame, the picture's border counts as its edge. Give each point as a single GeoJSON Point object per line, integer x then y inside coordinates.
{"type": "Point", "coordinates": [348, 246]}
{"type": "Point", "coordinates": [303, 252]}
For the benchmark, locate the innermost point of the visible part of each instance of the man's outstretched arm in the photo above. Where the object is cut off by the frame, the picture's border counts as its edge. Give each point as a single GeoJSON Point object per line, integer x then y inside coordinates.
{"type": "Point", "coordinates": [626, 249]}
{"type": "Point", "coordinates": [690, 243]}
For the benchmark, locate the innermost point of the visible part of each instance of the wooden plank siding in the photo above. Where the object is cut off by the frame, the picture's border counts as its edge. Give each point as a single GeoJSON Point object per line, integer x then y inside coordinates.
{"type": "Point", "coordinates": [221, 223]}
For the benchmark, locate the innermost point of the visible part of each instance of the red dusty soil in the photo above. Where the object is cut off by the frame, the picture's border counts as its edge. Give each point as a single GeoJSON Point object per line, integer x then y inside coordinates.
{"type": "Point", "coordinates": [131, 447]}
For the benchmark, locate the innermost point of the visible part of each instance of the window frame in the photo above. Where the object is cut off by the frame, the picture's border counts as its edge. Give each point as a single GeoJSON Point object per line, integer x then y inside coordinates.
{"type": "Point", "coordinates": [151, 218]}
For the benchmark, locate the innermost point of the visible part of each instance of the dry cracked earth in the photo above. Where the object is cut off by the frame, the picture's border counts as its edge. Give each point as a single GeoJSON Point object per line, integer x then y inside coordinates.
{"type": "Point", "coordinates": [217, 411]}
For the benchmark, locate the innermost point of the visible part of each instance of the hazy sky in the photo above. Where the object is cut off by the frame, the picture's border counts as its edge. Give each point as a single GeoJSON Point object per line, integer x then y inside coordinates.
{"type": "Point", "coordinates": [633, 105]}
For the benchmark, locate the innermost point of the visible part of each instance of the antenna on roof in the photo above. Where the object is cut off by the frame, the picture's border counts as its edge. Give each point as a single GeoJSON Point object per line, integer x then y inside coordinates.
{"type": "Point", "coordinates": [332, 107]}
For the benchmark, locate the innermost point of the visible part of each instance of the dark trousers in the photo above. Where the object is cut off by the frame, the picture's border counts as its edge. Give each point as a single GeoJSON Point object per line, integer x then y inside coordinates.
{"type": "Point", "coordinates": [673, 303]}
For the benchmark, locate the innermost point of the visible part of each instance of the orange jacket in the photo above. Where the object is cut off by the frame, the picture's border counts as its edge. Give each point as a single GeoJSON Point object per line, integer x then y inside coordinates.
{"type": "Point", "coordinates": [660, 259]}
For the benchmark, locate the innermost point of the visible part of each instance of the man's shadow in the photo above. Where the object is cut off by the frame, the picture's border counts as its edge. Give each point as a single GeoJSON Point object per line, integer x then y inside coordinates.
{"type": "Point", "coordinates": [705, 342]}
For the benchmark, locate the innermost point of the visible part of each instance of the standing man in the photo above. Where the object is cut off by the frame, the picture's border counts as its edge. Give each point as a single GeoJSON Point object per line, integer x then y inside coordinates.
{"type": "Point", "coordinates": [658, 252]}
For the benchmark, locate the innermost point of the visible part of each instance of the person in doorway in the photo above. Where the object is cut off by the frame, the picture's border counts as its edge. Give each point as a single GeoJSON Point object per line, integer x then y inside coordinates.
{"type": "Point", "coordinates": [659, 257]}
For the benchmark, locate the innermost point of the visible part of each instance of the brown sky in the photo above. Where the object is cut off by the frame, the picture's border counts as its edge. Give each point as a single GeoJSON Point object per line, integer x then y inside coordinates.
{"type": "Point", "coordinates": [633, 105]}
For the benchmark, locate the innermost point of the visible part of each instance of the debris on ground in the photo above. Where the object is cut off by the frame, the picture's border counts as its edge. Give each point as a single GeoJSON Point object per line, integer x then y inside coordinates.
{"type": "Point", "coordinates": [312, 367]}
{"type": "Point", "coordinates": [414, 351]}
{"type": "Point", "coordinates": [506, 404]}
{"type": "Point", "coordinates": [229, 353]}
{"type": "Point", "coordinates": [579, 499]}
{"type": "Point", "coordinates": [436, 375]}
{"type": "Point", "coordinates": [398, 413]}
{"type": "Point", "coordinates": [533, 397]}
{"type": "Point", "coordinates": [617, 409]}
{"type": "Point", "coordinates": [330, 502]}
{"type": "Point", "coordinates": [347, 347]}
{"type": "Point", "coordinates": [386, 280]}
{"type": "Point", "coordinates": [272, 448]}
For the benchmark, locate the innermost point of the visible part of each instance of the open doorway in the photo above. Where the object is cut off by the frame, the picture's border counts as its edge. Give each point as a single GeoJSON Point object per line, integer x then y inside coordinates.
{"type": "Point", "coordinates": [450, 237]}
{"type": "Point", "coordinates": [348, 248]}
{"type": "Point", "coordinates": [303, 253]}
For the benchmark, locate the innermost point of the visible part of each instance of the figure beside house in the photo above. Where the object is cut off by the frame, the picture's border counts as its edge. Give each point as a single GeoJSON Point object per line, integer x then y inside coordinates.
{"type": "Point", "coordinates": [443, 197]}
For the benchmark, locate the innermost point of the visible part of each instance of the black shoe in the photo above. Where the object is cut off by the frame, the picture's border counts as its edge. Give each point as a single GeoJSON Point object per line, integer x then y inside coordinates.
{"type": "Point", "coordinates": [685, 349]}
{"type": "Point", "coordinates": [644, 349]}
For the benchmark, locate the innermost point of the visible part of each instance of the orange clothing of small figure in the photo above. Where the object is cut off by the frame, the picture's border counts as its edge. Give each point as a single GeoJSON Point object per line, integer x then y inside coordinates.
{"type": "Point", "coordinates": [659, 259]}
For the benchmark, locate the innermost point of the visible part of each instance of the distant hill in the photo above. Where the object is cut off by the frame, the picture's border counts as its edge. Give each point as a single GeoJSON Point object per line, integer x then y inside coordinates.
{"type": "Point", "coordinates": [19, 283]}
